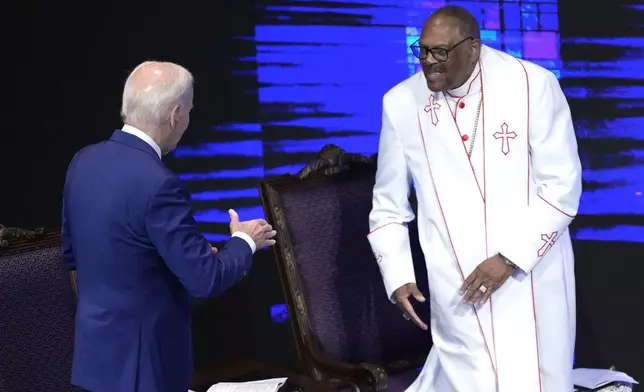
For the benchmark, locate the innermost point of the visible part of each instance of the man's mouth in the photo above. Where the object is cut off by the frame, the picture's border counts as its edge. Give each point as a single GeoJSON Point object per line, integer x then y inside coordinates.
{"type": "Point", "coordinates": [433, 72]}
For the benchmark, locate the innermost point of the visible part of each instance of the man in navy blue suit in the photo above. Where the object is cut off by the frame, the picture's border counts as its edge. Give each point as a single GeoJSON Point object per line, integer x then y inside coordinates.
{"type": "Point", "coordinates": [129, 233]}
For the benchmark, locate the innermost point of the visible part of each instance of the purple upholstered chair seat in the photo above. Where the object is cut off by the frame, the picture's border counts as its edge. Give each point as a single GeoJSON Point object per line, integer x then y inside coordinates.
{"type": "Point", "coordinates": [37, 309]}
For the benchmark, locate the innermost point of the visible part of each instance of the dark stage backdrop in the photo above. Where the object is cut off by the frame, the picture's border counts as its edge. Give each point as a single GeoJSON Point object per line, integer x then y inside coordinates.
{"type": "Point", "coordinates": [277, 80]}
{"type": "Point", "coordinates": [603, 54]}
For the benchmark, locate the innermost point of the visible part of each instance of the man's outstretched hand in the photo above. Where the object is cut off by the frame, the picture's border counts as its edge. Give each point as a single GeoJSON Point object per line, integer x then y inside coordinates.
{"type": "Point", "coordinates": [402, 295]}
{"type": "Point", "coordinates": [258, 229]}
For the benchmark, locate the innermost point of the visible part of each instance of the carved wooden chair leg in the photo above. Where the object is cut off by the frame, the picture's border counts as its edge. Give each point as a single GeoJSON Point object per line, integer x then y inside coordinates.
{"type": "Point", "coordinates": [344, 385]}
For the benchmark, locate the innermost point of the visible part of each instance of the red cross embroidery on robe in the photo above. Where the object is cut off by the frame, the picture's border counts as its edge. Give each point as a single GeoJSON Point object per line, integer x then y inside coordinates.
{"type": "Point", "coordinates": [432, 109]}
{"type": "Point", "coordinates": [548, 242]}
{"type": "Point", "coordinates": [505, 137]}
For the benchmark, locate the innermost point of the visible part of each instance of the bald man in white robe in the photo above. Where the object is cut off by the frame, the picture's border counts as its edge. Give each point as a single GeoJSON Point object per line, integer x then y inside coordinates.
{"type": "Point", "coordinates": [488, 142]}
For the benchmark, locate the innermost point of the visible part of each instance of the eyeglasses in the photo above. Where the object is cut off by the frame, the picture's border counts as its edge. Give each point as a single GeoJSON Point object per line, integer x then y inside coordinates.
{"type": "Point", "coordinates": [440, 54]}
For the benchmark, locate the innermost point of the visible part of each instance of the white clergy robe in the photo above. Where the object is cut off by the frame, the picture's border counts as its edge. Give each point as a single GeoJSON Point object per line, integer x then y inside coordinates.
{"type": "Point", "coordinates": [516, 196]}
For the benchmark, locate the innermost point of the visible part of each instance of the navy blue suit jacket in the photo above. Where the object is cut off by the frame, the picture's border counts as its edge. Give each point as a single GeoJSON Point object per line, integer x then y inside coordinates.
{"type": "Point", "coordinates": [129, 233]}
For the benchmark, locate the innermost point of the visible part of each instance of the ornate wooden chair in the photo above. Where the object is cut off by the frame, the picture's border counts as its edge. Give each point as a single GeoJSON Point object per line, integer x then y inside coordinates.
{"type": "Point", "coordinates": [36, 313]}
{"type": "Point", "coordinates": [346, 330]}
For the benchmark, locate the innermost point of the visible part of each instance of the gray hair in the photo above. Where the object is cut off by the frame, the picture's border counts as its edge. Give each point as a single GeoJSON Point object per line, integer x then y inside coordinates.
{"type": "Point", "coordinates": [152, 90]}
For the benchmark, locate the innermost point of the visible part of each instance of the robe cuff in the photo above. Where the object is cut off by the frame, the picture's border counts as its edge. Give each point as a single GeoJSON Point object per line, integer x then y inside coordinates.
{"type": "Point", "coordinates": [531, 235]}
{"type": "Point", "coordinates": [525, 264]}
{"type": "Point", "coordinates": [390, 245]}
{"type": "Point", "coordinates": [523, 248]}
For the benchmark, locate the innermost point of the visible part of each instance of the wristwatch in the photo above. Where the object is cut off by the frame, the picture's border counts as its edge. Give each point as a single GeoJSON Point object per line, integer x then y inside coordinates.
{"type": "Point", "coordinates": [507, 261]}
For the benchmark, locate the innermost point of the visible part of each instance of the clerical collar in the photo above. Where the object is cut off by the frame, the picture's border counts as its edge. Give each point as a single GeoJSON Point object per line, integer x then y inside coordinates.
{"type": "Point", "coordinates": [471, 86]}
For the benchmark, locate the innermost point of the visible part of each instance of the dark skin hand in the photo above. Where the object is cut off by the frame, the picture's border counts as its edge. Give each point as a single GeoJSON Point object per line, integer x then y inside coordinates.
{"type": "Point", "coordinates": [401, 296]}
{"type": "Point", "coordinates": [491, 274]}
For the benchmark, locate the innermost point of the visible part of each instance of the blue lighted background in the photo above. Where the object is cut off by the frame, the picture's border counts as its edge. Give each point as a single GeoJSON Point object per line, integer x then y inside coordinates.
{"type": "Point", "coordinates": [322, 68]}
{"type": "Point", "coordinates": [305, 74]}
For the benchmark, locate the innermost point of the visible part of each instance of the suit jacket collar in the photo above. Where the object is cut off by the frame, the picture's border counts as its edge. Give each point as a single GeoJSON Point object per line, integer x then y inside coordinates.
{"type": "Point", "coordinates": [132, 141]}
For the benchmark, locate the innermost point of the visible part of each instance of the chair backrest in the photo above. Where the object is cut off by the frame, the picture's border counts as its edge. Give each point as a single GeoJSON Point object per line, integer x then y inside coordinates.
{"type": "Point", "coordinates": [37, 307]}
{"type": "Point", "coordinates": [331, 280]}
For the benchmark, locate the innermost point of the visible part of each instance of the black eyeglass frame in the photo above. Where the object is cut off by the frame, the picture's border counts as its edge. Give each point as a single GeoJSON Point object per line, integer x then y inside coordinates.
{"type": "Point", "coordinates": [437, 53]}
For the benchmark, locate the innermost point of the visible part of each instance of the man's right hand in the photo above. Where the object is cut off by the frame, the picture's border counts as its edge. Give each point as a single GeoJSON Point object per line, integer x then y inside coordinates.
{"type": "Point", "coordinates": [401, 296]}
{"type": "Point", "coordinates": [258, 229]}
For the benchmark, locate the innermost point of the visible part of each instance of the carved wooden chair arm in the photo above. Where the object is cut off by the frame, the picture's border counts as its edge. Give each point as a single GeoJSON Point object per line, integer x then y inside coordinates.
{"type": "Point", "coordinates": [15, 233]}
{"type": "Point", "coordinates": [371, 375]}
{"type": "Point", "coordinates": [344, 385]}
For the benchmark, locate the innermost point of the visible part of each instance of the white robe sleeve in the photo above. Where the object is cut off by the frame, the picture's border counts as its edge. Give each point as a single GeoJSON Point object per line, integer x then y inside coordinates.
{"type": "Point", "coordinates": [389, 237]}
{"type": "Point", "coordinates": [556, 174]}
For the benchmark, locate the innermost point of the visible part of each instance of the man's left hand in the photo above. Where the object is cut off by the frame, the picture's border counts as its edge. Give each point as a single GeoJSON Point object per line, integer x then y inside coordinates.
{"type": "Point", "coordinates": [487, 277]}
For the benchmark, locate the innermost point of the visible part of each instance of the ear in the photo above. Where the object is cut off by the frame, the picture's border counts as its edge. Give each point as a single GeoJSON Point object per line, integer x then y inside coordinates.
{"type": "Point", "coordinates": [476, 50]}
{"type": "Point", "coordinates": [174, 116]}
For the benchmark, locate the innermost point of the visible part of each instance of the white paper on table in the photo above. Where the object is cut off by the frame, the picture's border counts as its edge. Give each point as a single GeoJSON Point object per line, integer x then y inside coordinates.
{"type": "Point", "coordinates": [595, 378]}
{"type": "Point", "coordinates": [270, 385]}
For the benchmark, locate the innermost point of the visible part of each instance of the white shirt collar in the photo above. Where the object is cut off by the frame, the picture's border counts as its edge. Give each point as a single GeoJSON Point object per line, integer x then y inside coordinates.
{"type": "Point", "coordinates": [143, 136]}
{"type": "Point", "coordinates": [470, 87]}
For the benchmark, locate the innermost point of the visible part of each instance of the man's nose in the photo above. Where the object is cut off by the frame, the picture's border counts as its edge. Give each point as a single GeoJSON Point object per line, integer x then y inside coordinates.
{"type": "Point", "coordinates": [429, 60]}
